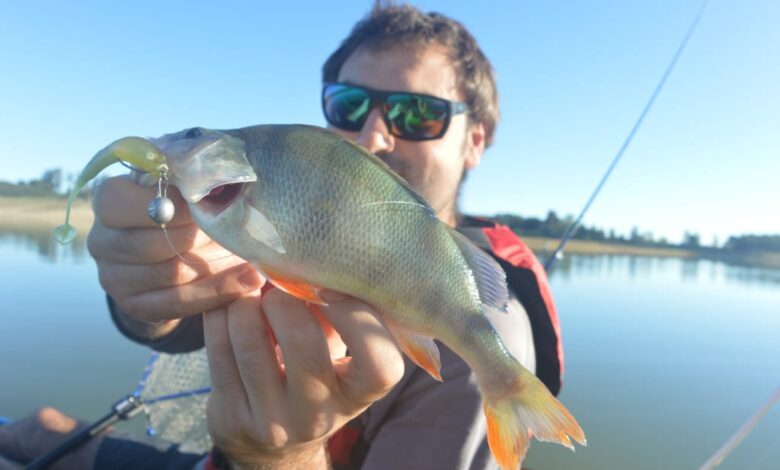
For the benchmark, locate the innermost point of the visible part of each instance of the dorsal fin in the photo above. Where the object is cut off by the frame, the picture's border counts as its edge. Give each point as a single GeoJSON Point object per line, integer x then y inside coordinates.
{"type": "Point", "coordinates": [490, 277]}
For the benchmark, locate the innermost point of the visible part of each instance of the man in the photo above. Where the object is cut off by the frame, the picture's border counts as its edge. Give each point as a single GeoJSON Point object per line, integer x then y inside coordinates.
{"type": "Point", "coordinates": [383, 413]}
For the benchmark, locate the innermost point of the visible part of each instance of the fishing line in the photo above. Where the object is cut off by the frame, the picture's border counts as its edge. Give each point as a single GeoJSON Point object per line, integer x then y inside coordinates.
{"type": "Point", "coordinates": [741, 433]}
{"type": "Point", "coordinates": [190, 261]}
{"type": "Point", "coordinates": [572, 229]}
{"type": "Point", "coordinates": [161, 210]}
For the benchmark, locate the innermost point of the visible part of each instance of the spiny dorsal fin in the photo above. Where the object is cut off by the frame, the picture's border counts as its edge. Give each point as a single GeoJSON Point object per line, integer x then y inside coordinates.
{"type": "Point", "coordinates": [490, 277]}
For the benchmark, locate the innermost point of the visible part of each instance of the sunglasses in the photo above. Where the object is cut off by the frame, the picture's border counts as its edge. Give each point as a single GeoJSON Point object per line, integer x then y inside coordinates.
{"type": "Point", "coordinates": [409, 116]}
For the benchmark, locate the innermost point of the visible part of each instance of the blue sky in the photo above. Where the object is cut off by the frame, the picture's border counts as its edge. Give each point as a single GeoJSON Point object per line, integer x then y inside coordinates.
{"type": "Point", "coordinates": [573, 77]}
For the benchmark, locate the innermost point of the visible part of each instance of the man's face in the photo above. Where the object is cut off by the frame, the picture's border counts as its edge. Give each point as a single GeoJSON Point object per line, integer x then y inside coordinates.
{"type": "Point", "coordinates": [433, 167]}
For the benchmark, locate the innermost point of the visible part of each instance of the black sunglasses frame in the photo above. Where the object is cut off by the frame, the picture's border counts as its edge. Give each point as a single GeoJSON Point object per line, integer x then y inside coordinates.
{"type": "Point", "coordinates": [379, 97]}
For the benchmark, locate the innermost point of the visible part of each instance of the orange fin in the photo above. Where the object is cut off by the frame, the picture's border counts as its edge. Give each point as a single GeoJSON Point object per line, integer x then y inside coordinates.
{"type": "Point", "coordinates": [295, 288]}
{"type": "Point", "coordinates": [531, 410]}
{"type": "Point", "coordinates": [419, 348]}
{"type": "Point", "coordinates": [508, 446]}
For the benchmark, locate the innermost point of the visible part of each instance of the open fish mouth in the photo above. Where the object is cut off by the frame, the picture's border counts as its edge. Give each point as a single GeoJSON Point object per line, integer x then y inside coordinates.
{"type": "Point", "coordinates": [220, 197]}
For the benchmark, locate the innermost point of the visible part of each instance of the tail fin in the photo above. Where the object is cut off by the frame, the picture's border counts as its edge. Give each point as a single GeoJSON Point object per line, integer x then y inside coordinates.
{"type": "Point", "coordinates": [530, 411]}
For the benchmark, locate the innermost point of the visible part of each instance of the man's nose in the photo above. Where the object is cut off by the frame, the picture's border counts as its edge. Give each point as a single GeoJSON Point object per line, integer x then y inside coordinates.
{"type": "Point", "coordinates": [375, 136]}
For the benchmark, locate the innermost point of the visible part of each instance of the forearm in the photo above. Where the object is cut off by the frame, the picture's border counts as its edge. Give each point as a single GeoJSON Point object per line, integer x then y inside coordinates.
{"type": "Point", "coordinates": [144, 331]}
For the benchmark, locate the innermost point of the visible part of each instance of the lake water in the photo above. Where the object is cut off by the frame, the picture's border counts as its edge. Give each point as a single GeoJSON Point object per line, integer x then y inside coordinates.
{"type": "Point", "coordinates": [665, 358]}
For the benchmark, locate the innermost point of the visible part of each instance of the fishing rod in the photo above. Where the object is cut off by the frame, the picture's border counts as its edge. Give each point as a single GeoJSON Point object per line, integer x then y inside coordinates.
{"type": "Point", "coordinates": [741, 433]}
{"type": "Point", "coordinates": [572, 229]}
{"type": "Point", "coordinates": [124, 409]}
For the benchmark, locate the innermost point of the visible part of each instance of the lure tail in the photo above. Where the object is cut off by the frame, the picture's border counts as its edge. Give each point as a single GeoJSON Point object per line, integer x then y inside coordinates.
{"type": "Point", "coordinates": [530, 410]}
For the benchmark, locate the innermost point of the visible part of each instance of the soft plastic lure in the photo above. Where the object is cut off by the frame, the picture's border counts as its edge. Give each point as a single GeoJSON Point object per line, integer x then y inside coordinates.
{"type": "Point", "coordinates": [136, 151]}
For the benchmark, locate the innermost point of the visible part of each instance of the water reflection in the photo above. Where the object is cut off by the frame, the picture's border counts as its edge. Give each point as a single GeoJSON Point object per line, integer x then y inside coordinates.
{"type": "Point", "coordinates": [42, 241]}
{"type": "Point", "coordinates": [687, 270]}
{"type": "Point", "coordinates": [741, 274]}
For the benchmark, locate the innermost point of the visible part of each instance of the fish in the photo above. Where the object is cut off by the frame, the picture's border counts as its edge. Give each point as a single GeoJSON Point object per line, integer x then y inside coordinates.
{"type": "Point", "coordinates": [312, 210]}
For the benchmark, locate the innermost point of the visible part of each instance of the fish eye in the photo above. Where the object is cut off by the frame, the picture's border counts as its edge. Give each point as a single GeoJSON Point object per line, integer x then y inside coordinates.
{"type": "Point", "coordinates": [193, 133]}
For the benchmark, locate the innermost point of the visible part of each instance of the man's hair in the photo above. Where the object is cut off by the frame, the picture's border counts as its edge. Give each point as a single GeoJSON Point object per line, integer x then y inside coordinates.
{"type": "Point", "coordinates": [386, 27]}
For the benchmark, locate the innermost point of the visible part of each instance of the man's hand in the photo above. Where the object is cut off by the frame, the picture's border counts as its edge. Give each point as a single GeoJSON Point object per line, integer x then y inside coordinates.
{"type": "Point", "coordinates": [30, 438]}
{"type": "Point", "coordinates": [275, 406]}
{"type": "Point", "coordinates": [138, 268]}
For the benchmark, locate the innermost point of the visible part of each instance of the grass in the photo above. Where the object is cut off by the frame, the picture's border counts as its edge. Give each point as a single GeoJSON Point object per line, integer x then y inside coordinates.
{"type": "Point", "coordinates": [36, 214]}
{"type": "Point", "coordinates": [588, 247]}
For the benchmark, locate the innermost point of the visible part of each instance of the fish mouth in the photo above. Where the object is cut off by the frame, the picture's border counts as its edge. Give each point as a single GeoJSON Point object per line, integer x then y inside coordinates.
{"type": "Point", "coordinates": [220, 197]}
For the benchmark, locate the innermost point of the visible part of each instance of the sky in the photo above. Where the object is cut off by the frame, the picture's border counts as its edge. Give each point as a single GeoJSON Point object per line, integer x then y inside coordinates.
{"type": "Point", "coordinates": [573, 77]}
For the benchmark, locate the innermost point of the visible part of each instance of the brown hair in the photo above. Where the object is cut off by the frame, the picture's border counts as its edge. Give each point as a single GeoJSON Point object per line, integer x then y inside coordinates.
{"type": "Point", "coordinates": [404, 25]}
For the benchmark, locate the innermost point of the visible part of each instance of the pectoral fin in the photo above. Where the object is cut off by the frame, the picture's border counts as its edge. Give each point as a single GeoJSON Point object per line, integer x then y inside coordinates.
{"type": "Point", "coordinates": [263, 230]}
{"type": "Point", "coordinates": [421, 349]}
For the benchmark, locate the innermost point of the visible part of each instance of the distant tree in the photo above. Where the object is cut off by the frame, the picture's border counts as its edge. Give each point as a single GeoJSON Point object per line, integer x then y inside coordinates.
{"type": "Point", "coordinates": [753, 243]}
{"type": "Point", "coordinates": [52, 179]}
{"type": "Point", "coordinates": [691, 240]}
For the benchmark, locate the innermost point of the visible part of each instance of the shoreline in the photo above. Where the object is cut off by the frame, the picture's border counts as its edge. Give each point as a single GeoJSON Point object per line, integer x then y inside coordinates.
{"type": "Point", "coordinates": [43, 214]}
{"type": "Point", "coordinates": [37, 214]}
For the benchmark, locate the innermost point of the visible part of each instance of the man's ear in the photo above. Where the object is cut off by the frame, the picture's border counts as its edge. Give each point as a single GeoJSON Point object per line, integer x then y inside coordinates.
{"type": "Point", "coordinates": [475, 145]}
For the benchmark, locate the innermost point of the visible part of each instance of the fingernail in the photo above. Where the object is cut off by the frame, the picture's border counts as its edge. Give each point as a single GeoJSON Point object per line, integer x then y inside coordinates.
{"type": "Point", "coordinates": [250, 279]}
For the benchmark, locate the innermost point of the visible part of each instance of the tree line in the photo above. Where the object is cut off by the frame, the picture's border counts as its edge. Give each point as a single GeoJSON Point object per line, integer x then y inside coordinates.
{"type": "Point", "coordinates": [52, 182]}
{"type": "Point", "coordinates": [554, 226]}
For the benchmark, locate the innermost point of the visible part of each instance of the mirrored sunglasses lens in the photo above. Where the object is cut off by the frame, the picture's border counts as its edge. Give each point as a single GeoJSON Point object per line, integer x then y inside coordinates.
{"type": "Point", "coordinates": [346, 107]}
{"type": "Point", "coordinates": [416, 117]}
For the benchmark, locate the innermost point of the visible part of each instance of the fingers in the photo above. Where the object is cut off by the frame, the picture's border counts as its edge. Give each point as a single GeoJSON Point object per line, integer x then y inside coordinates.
{"type": "Point", "coordinates": [335, 344]}
{"type": "Point", "coordinates": [247, 399]}
{"type": "Point", "coordinates": [138, 264]}
{"type": "Point", "coordinates": [143, 245]}
{"type": "Point", "coordinates": [195, 297]}
{"type": "Point", "coordinates": [225, 378]}
{"type": "Point", "coordinates": [310, 380]}
{"type": "Point", "coordinates": [376, 364]}
{"type": "Point", "coordinates": [123, 279]}
{"type": "Point", "coordinates": [121, 203]}
{"type": "Point", "coordinates": [253, 347]}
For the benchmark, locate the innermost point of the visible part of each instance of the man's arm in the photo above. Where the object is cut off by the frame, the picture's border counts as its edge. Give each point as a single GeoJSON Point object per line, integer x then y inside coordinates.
{"type": "Point", "coordinates": [172, 336]}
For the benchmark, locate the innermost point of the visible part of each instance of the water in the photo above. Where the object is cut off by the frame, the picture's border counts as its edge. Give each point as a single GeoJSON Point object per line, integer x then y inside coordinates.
{"type": "Point", "coordinates": [665, 358]}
